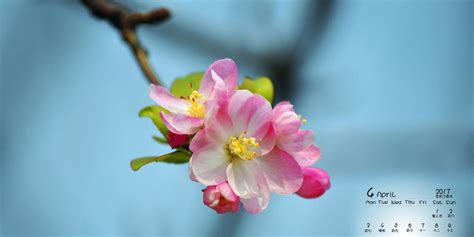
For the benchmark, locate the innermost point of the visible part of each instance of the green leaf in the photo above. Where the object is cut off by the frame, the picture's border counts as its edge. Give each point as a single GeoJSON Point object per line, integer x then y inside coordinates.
{"type": "Point", "coordinates": [153, 112]}
{"type": "Point", "coordinates": [184, 86]}
{"type": "Point", "coordinates": [161, 140]}
{"type": "Point", "coordinates": [176, 157]}
{"type": "Point", "coordinates": [261, 85]}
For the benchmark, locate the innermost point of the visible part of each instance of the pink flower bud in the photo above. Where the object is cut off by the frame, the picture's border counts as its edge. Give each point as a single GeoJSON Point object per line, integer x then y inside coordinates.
{"type": "Point", "coordinates": [177, 140]}
{"type": "Point", "coordinates": [315, 182]}
{"type": "Point", "coordinates": [221, 198]}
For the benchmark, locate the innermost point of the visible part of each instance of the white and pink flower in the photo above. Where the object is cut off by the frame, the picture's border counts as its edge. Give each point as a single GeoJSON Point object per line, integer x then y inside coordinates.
{"type": "Point", "coordinates": [187, 113]}
{"type": "Point", "coordinates": [300, 145]}
{"type": "Point", "coordinates": [291, 138]}
{"type": "Point", "coordinates": [237, 145]}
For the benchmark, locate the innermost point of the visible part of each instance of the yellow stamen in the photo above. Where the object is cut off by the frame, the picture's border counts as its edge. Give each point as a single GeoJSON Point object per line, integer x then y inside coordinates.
{"type": "Point", "coordinates": [243, 147]}
{"type": "Point", "coordinates": [197, 108]}
{"type": "Point", "coordinates": [303, 120]}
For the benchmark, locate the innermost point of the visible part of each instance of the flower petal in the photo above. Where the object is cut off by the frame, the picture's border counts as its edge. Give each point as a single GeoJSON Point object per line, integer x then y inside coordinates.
{"type": "Point", "coordinates": [282, 107]}
{"type": "Point", "coordinates": [251, 113]}
{"type": "Point", "coordinates": [285, 119]}
{"type": "Point", "coordinates": [226, 191]}
{"type": "Point", "coordinates": [199, 141]}
{"type": "Point", "coordinates": [177, 140]}
{"type": "Point", "coordinates": [244, 178]}
{"type": "Point", "coordinates": [181, 124]}
{"type": "Point", "coordinates": [267, 143]}
{"type": "Point", "coordinates": [240, 109]}
{"type": "Point", "coordinates": [256, 204]}
{"type": "Point", "coordinates": [282, 173]}
{"type": "Point", "coordinates": [296, 142]}
{"type": "Point", "coordinates": [209, 164]}
{"type": "Point", "coordinates": [192, 176]}
{"type": "Point", "coordinates": [307, 156]}
{"type": "Point", "coordinates": [220, 97]}
{"type": "Point", "coordinates": [218, 124]}
{"type": "Point", "coordinates": [166, 100]}
{"type": "Point", "coordinates": [221, 74]}
{"type": "Point", "coordinates": [211, 196]}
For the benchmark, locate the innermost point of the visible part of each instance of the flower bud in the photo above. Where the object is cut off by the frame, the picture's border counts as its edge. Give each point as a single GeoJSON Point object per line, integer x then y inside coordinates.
{"type": "Point", "coordinates": [177, 140]}
{"type": "Point", "coordinates": [221, 198]}
{"type": "Point", "coordinates": [315, 182]}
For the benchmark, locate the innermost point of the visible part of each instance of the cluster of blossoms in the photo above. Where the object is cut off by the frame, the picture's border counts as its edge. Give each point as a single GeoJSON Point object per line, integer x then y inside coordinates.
{"type": "Point", "coordinates": [242, 149]}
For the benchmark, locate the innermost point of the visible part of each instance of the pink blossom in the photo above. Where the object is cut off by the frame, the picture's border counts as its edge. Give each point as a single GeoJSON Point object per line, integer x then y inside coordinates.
{"type": "Point", "coordinates": [221, 198]}
{"type": "Point", "coordinates": [187, 113]}
{"type": "Point", "coordinates": [177, 140]}
{"type": "Point", "coordinates": [291, 138]}
{"type": "Point", "coordinates": [315, 183]}
{"type": "Point", "coordinates": [237, 145]}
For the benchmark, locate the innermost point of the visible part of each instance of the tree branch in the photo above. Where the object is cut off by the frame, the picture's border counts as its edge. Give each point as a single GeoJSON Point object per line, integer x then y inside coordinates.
{"type": "Point", "coordinates": [126, 22]}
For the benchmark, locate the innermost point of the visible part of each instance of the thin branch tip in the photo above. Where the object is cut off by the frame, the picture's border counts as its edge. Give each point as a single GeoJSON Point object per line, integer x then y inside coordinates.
{"type": "Point", "coordinates": [125, 21]}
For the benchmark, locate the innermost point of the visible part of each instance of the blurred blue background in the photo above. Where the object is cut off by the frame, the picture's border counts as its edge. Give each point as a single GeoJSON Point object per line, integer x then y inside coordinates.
{"type": "Point", "coordinates": [387, 87]}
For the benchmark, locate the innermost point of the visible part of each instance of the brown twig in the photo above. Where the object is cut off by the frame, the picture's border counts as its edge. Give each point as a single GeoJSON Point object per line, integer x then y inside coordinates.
{"type": "Point", "coordinates": [126, 22]}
